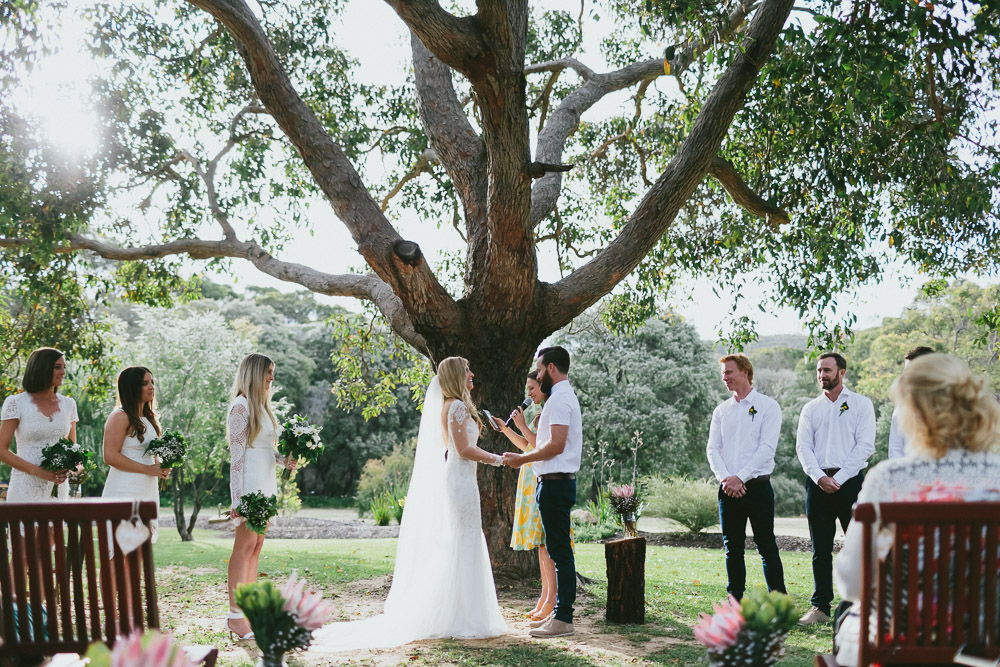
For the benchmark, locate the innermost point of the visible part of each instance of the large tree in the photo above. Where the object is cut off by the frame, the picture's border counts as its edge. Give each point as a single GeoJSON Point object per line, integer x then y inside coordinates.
{"type": "Point", "coordinates": [869, 136]}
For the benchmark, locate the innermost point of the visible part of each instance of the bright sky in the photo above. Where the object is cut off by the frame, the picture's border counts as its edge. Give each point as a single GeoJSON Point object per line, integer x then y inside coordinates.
{"type": "Point", "coordinates": [378, 39]}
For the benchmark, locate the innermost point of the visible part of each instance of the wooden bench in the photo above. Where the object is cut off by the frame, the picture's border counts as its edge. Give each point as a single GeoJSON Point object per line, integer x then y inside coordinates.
{"type": "Point", "coordinates": [82, 588]}
{"type": "Point", "coordinates": [919, 616]}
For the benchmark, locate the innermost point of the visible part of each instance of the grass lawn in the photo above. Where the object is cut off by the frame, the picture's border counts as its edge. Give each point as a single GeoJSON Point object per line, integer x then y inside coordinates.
{"type": "Point", "coordinates": [680, 583]}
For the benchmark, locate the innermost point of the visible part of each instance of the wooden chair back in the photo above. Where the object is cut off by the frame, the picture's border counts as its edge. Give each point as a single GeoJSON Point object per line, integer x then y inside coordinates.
{"type": "Point", "coordinates": [938, 589]}
{"type": "Point", "coordinates": [63, 571]}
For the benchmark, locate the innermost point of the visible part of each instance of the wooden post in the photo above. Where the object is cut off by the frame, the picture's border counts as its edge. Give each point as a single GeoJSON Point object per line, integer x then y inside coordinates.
{"type": "Point", "coordinates": [626, 563]}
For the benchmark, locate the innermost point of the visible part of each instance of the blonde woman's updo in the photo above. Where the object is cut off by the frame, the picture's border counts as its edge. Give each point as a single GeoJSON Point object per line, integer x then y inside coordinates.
{"type": "Point", "coordinates": [943, 406]}
{"type": "Point", "coordinates": [452, 375]}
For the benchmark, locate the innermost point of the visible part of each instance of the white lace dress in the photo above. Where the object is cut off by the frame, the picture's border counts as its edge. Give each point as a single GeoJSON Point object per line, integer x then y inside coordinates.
{"type": "Point", "coordinates": [126, 485]}
{"type": "Point", "coordinates": [450, 591]}
{"type": "Point", "coordinates": [34, 432]}
{"type": "Point", "coordinates": [253, 467]}
{"type": "Point", "coordinates": [973, 476]}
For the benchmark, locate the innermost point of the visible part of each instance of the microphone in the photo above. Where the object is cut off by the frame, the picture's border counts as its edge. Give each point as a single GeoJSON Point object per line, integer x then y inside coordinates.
{"type": "Point", "coordinates": [523, 407]}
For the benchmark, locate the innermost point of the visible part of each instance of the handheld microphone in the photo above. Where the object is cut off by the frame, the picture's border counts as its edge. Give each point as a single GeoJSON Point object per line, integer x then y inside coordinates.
{"type": "Point", "coordinates": [523, 407]}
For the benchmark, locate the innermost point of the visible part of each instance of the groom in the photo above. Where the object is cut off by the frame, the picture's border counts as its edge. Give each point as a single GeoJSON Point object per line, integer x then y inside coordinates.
{"type": "Point", "coordinates": [556, 460]}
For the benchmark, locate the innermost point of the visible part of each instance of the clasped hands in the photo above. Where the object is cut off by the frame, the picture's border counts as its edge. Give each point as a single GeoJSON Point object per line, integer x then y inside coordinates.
{"type": "Point", "coordinates": [734, 487]}
{"type": "Point", "coordinates": [513, 459]}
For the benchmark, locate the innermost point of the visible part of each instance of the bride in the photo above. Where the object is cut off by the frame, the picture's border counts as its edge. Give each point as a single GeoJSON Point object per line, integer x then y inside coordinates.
{"type": "Point", "coordinates": [443, 584]}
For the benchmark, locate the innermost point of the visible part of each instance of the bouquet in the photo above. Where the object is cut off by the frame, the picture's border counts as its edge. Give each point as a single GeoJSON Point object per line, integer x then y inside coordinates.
{"type": "Point", "coordinates": [282, 619]}
{"type": "Point", "coordinates": [751, 632]}
{"type": "Point", "coordinates": [139, 650]}
{"type": "Point", "coordinates": [170, 448]}
{"type": "Point", "coordinates": [64, 454]}
{"type": "Point", "coordinates": [299, 440]}
{"type": "Point", "coordinates": [258, 509]}
{"type": "Point", "coordinates": [627, 505]}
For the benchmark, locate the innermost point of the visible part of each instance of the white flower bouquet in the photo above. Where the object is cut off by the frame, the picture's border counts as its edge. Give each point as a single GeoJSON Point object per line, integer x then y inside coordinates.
{"type": "Point", "coordinates": [64, 454]}
{"type": "Point", "coordinates": [170, 449]}
{"type": "Point", "coordinates": [299, 440]}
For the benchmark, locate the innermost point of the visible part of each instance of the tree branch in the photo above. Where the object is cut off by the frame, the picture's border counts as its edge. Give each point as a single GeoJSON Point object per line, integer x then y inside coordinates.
{"type": "Point", "coordinates": [457, 42]}
{"type": "Point", "coordinates": [369, 287]}
{"type": "Point", "coordinates": [724, 172]}
{"type": "Point", "coordinates": [423, 164]}
{"type": "Point", "coordinates": [559, 65]}
{"type": "Point", "coordinates": [564, 300]}
{"type": "Point", "coordinates": [687, 53]}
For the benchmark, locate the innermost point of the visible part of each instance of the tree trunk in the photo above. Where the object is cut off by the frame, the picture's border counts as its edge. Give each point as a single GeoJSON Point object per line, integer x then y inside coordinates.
{"type": "Point", "coordinates": [626, 563]}
{"type": "Point", "coordinates": [177, 477]}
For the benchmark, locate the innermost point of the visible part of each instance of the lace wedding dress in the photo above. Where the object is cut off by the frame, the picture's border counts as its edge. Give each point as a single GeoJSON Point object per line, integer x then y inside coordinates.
{"type": "Point", "coordinates": [34, 432]}
{"type": "Point", "coordinates": [253, 467]}
{"type": "Point", "coordinates": [443, 583]}
{"type": "Point", "coordinates": [125, 485]}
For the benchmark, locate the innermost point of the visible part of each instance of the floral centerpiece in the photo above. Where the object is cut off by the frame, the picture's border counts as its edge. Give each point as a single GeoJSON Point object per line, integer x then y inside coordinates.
{"type": "Point", "coordinates": [282, 619]}
{"type": "Point", "coordinates": [64, 454]}
{"type": "Point", "coordinates": [751, 632]}
{"type": "Point", "coordinates": [257, 509]}
{"type": "Point", "coordinates": [299, 440]}
{"type": "Point", "coordinates": [170, 449]}
{"type": "Point", "coordinates": [139, 650]}
{"type": "Point", "coordinates": [628, 506]}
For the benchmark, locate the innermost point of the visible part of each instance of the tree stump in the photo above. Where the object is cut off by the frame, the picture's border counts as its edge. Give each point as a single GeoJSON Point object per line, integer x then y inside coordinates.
{"type": "Point", "coordinates": [626, 563]}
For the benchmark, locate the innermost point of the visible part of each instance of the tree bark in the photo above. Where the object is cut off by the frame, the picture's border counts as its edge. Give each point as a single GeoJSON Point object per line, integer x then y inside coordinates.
{"type": "Point", "coordinates": [626, 564]}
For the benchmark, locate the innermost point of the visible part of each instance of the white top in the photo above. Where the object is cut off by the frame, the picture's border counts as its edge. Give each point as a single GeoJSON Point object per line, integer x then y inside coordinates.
{"type": "Point", "coordinates": [836, 434]}
{"type": "Point", "coordinates": [252, 465]}
{"type": "Point", "coordinates": [744, 436]}
{"type": "Point", "coordinates": [561, 408]}
{"type": "Point", "coordinates": [897, 439]}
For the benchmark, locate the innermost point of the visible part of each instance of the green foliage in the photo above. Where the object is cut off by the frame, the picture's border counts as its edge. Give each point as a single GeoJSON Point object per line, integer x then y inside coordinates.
{"type": "Point", "coordinates": [386, 475]}
{"type": "Point", "coordinates": [789, 494]}
{"type": "Point", "coordinates": [593, 532]}
{"type": "Point", "coordinates": [693, 503]}
{"type": "Point", "coordinates": [601, 508]}
{"type": "Point", "coordinates": [288, 499]}
{"type": "Point", "coordinates": [382, 508]}
{"type": "Point", "coordinates": [398, 503]}
{"type": "Point", "coordinates": [273, 627]}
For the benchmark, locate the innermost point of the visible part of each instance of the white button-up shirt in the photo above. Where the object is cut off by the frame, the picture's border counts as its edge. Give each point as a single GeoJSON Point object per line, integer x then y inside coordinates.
{"type": "Point", "coordinates": [744, 436]}
{"type": "Point", "coordinates": [897, 439]}
{"type": "Point", "coordinates": [561, 408]}
{"type": "Point", "coordinates": [836, 434]}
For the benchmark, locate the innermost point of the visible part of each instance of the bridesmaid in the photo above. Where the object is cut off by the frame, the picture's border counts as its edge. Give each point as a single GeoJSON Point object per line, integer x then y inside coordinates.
{"type": "Point", "coordinates": [528, 532]}
{"type": "Point", "coordinates": [252, 432]}
{"type": "Point", "coordinates": [128, 431]}
{"type": "Point", "coordinates": [37, 418]}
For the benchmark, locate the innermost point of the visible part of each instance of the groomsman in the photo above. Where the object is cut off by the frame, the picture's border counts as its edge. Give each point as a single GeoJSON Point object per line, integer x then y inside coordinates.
{"type": "Point", "coordinates": [835, 438]}
{"type": "Point", "coordinates": [741, 444]}
{"type": "Point", "coordinates": [897, 441]}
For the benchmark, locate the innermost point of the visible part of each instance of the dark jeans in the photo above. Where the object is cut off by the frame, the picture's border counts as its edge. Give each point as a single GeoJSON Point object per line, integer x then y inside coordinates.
{"type": "Point", "coordinates": [555, 499]}
{"type": "Point", "coordinates": [757, 506]}
{"type": "Point", "coordinates": [823, 510]}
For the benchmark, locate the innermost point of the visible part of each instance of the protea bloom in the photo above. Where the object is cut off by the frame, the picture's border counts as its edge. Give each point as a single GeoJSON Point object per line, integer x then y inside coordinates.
{"type": "Point", "coordinates": [152, 650]}
{"type": "Point", "coordinates": [721, 630]}
{"type": "Point", "coordinates": [309, 610]}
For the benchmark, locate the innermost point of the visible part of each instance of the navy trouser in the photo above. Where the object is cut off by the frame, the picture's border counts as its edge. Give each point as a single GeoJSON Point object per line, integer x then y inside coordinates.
{"type": "Point", "coordinates": [555, 500]}
{"type": "Point", "coordinates": [757, 506]}
{"type": "Point", "coordinates": [823, 510]}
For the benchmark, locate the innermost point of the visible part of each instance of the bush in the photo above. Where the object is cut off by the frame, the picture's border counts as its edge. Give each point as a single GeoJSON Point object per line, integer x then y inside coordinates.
{"type": "Point", "coordinates": [397, 507]}
{"type": "Point", "coordinates": [591, 532]}
{"type": "Point", "coordinates": [381, 506]}
{"type": "Point", "coordinates": [335, 502]}
{"type": "Point", "coordinates": [789, 495]}
{"type": "Point", "coordinates": [693, 503]}
{"type": "Point", "coordinates": [389, 474]}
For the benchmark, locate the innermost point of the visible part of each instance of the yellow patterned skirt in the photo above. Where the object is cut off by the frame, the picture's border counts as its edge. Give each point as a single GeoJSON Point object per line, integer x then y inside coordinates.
{"type": "Point", "coordinates": [528, 532]}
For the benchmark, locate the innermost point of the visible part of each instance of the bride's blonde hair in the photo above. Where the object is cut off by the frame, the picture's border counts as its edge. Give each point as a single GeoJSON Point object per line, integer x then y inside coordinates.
{"type": "Point", "coordinates": [250, 383]}
{"type": "Point", "coordinates": [943, 406]}
{"type": "Point", "coordinates": [452, 375]}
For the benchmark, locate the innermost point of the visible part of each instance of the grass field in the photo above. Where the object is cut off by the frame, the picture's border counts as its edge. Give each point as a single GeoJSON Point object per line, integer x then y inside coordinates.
{"type": "Point", "coordinates": [680, 583]}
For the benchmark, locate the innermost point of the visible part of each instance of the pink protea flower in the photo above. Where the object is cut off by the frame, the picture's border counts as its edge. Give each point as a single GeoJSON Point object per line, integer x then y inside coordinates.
{"type": "Point", "coordinates": [721, 630]}
{"type": "Point", "coordinates": [623, 491]}
{"type": "Point", "coordinates": [152, 650]}
{"type": "Point", "coordinates": [309, 610]}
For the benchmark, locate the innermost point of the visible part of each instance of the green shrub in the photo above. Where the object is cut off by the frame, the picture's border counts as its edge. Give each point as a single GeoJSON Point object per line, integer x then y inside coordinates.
{"type": "Point", "coordinates": [381, 507]}
{"type": "Point", "coordinates": [601, 508]}
{"type": "Point", "coordinates": [693, 503]}
{"type": "Point", "coordinates": [397, 507]}
{"type": "Point", "coordinates": [288, 495]}
{"type": "Point", "coordinates": [592, 532]}
{"type": "Point", "coordinates": [391, 474]}
{"type": "Point", "coordinates": [789, 495]}
{"type": "Point", "coordinates": [335, 502]}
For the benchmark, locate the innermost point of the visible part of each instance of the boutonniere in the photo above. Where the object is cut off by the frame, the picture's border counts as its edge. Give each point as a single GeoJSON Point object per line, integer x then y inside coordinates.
{"type": "Point", "coordinates": [843, 408]}
{"type": "Point", "coordinates": [752, 413]}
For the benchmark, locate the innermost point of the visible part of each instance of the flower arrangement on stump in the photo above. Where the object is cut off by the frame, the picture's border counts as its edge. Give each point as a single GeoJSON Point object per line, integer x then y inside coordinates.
{"type": "Point", "coordinates": [628, 506]}
{"type": "Point", "coordinates": [282, 619]}
{"type": "Point", "coordinates": [750, 633]}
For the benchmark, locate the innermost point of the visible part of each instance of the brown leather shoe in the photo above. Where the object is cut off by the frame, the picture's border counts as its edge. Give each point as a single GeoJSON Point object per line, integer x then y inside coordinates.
{"type": "Point", "coordinates": [554, 628]}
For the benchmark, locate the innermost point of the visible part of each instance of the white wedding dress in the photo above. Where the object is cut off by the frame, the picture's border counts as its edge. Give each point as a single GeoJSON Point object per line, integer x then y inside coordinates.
{"type": "Point", "coordinates": [443, 583]}
{"type": "Point", "coordinates": [253, 466]}
{"type": "Point", "coordinates": [125, 485]}
{"type": "Point", "coordinates": [34, 433]}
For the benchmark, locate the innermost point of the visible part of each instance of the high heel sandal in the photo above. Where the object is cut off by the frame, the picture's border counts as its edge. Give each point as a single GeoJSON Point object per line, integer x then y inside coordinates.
{"type": "Point", "coordinates": [232, 616]}
{"type": "Point", "coordinates": [544, 612]}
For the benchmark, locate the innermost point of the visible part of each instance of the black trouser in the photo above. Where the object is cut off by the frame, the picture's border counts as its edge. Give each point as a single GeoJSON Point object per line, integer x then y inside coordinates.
{"type": "Point", "coordinates": [757, 506]}
{"type": "Point", "coordinates": [555, 500]}
{"type": "Point", "coordinates": [823, 510]}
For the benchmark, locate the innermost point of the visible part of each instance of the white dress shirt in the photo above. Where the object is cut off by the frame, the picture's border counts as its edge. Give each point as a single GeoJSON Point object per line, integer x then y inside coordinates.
{"type": "Point", "coordinates": [744, 436]}
{"type": "Point", "coordinates": [836, 434]}
{"type": "Point", "coordinates": [561, 408]}
{"type": "Point", "coordinates": [897, 439]}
